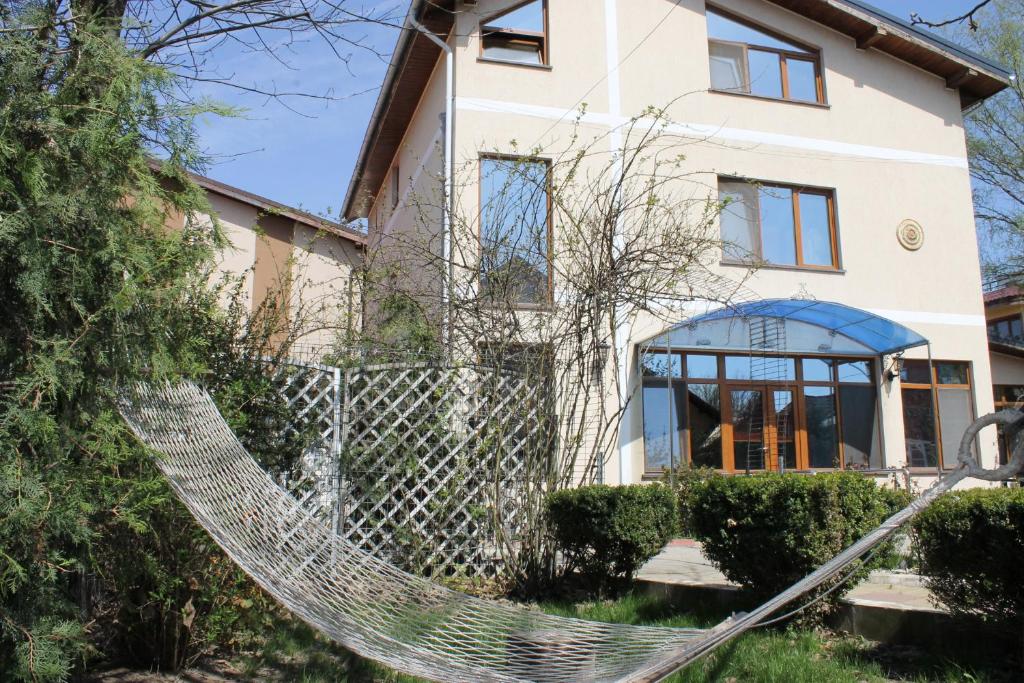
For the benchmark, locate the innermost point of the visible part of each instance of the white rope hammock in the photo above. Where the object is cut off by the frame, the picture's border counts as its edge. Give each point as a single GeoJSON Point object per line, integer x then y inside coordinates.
{"type": "Point", "coordinates": [401, 620]}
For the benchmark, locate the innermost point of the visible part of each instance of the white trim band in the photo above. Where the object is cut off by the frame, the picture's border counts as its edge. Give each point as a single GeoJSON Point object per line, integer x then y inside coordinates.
{"type": "Point", "coordinates": [930, 318]}
{"type": "Point", "coordinates": [722, 133]}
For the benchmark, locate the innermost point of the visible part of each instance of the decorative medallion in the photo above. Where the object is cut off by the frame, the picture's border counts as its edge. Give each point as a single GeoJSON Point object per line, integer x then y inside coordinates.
{"type": "Point", "coordinates": [910, 235]}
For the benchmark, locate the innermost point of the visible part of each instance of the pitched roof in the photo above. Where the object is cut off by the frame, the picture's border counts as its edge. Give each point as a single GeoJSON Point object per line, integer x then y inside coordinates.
{"type": "Point", "coordinates": [976, 77]}
{"type": "Point", "coordinates": [271, 206]}
{"type": "Point", "coordinates": [1006, 292]}
{"type": "Point", "coordinates": [412, 62]}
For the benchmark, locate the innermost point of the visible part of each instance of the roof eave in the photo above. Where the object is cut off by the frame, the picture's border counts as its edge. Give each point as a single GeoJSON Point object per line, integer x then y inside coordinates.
{"type": "Point", "coordinates": [978, 77]}
{"type": "Point", "coordinates": [401, 47]}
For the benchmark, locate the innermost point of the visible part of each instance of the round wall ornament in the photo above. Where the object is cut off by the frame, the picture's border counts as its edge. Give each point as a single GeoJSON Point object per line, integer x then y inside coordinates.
{"type": "Point", "coordinates": [910, 235]}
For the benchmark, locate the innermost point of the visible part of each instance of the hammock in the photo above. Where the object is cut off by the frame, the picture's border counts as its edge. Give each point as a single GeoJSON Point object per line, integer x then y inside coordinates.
{"type": "Point", "coordinates": [407, 622]}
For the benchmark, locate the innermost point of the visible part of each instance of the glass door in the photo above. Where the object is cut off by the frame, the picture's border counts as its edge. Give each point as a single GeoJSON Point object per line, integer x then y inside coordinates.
{"type": "Point", "coordinates": [782, 422]}
{"type": "Point", "coordinates": [748, 422]}
{"type": "Point", "coordinates": [763, 429]}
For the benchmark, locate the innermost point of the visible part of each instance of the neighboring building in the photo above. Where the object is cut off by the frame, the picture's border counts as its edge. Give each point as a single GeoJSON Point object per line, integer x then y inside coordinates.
{"type": "Point", "coordinates": [1004, 314]}
{"type": "Point", "coordinates": [311, 264]}
{"type": "Point", "coordinates": [851, 121]}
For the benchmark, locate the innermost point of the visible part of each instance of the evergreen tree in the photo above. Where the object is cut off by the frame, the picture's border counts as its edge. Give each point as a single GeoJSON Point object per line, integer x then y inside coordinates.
{"type": "Point", "coordinates": [98, 287]}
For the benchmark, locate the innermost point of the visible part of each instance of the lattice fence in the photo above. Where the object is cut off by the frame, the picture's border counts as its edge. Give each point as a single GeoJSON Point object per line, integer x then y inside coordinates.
{"type": "Point", "coordinates": [418, 463]}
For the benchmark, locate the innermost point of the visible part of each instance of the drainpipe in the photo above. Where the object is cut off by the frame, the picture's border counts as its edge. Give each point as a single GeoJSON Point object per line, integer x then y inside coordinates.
{"type": "Point", "coordinates": [446, 211]}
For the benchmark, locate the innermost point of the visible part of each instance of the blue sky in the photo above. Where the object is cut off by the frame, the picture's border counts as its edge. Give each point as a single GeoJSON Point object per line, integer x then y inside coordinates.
{"type": "Point", "coordinates": [302, 154]}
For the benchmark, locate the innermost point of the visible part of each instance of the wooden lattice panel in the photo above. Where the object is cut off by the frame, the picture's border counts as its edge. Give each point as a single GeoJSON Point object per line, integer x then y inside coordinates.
{"type": "Point", "coordinates": [418, 463]}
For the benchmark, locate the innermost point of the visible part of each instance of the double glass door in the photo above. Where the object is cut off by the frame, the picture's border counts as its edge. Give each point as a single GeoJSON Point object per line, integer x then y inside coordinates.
{"type": "Point", "coordinates": [763, 421]}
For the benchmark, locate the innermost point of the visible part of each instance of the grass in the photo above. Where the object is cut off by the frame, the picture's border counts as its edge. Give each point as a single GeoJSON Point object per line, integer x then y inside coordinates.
{"type": "Point", "coordinates": [770, 656]}
{"type": "Point", "coordinates": [296, 653]}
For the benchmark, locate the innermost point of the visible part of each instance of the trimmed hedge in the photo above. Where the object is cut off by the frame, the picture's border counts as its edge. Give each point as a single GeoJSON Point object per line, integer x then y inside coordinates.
{"type": "Point", "coordinates": [685, 481]}
{"type": "Point", "coordinates": [609, 532]}
{"type": "Point", "coordinates": [765, 532]}
{"type": "Point", "coordinates": [971, 547]}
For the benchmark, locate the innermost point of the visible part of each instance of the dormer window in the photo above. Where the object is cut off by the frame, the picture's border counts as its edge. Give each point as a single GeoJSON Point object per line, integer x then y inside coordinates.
{"type": "Point", "coordinates": [753, 61]}
{"type": "Point", "coordinates": [518, 35]}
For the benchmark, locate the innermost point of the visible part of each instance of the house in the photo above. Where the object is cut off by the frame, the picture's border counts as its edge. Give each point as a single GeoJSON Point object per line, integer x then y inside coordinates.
{"type": "Point", "coordinates": [832, 134]}
{"type": "Point", "coordinates": [310, 265]}
{"type": "Point", "coordinates": [1004, 316]}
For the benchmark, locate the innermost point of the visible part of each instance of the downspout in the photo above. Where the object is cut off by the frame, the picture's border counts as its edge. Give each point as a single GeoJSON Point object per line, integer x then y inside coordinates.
{"type": "Point", "coordinates": [446, 211]}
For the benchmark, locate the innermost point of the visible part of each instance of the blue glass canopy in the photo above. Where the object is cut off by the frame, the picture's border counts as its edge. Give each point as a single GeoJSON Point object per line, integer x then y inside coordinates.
{"type": "Point", "coordinates": [811, 326]}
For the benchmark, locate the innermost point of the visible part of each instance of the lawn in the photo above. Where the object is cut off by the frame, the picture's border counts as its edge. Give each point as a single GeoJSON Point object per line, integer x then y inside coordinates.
{"type": "Point", "coordinates": [294, 653]}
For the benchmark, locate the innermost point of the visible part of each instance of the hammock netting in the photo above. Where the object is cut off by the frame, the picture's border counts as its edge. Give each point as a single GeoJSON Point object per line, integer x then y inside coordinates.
{"type": "Point", "coordinates": [380, 612]}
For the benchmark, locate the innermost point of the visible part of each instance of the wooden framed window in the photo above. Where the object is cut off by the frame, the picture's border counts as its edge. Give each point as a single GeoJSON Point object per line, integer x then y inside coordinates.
{"type": "Point", "coordinates": [778, 224]}
{"type": "Point", "coordinates": [1010, 328]}
{"type": "Point", "coordinates": [518, 35]}
{"type": "Point", "coordinates": [752, 60]}
{"type": "Point", "coordinates": [1007, 397]}
{"type": "Point", "coordinates": [515, 230]}
{"type": "Point", "coordinates": [938, 406]}
{"type": "Point", "coordinates": [395, 187]}
{"type": "Point", "coordinates": [708, 409]}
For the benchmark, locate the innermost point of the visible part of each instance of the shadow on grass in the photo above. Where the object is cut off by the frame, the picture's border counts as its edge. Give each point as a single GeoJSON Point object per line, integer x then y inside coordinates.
{"type": "Point", "coordinates": [965, 661]}
{"type": "Point", "coordinates": [294, 652]}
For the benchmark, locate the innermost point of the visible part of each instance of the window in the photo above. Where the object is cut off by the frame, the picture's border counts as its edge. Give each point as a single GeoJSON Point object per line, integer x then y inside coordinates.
{"type": "Point", "coordinates": [514, 230]}
{"type": "Point", "coordinates": [708, 409]}
{"type": "Point", "coordinates": [394, 187]}
{"type": "Point", "coordinates": [1008, 397]}
{"type": "Point", "coordinates": [937, 409]}
{"type": "Point", "coordinates": [858, 406]}
{"type": "Point", "coordinates": [754, 61]}
{"type": "Point", "coordinates": [517, 35]}
{"type": "Point", "coordinates": [778, 224]}
{"type": "Point", "coordinates": [1010, 329]}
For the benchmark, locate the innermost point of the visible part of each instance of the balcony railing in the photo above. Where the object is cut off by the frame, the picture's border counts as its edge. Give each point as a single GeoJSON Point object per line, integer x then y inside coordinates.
{"type": "Point", "coordinates": [994, 284]}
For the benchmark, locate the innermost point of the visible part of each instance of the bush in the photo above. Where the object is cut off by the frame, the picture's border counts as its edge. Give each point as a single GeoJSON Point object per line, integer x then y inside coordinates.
{"type": "Point", "coordinates": [685, 481]}
{"type": "Point", "coordinates": [766, 532]}
{"type": "Point", "coordinates": [971, 547]}
{"type": "Point", "coordinates": [608, 532]}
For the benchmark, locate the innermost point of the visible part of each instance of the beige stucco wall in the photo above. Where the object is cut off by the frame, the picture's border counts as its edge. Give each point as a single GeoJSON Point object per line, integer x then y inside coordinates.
{"type": "Point", "coordinates": [326, 287]}
{"type": "Point", "coordinates": [316, 271]}
{"type": "Point", "coordinates": [405, 241]}
{"type": "Point", "coordinates": [890, 141]}
{"type": "Point", "coordinates": [235, 261]}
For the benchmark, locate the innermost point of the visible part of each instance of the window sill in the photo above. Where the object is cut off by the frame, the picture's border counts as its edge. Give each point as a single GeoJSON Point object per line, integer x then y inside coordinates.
{"type": "Point", "coordinates": [774, 266]}
{"type": "Point", "coordinates": [509, 62]}
{"type": "Point", "coordinates": [765, 98]}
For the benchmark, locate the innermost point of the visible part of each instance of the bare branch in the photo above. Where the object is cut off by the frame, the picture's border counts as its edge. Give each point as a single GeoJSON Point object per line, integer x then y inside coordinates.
{"type": "Point", "coordinates": [967, 16]}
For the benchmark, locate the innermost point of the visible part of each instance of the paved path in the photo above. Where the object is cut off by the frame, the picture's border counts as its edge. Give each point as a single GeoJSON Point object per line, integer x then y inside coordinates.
{"type": "Point", "coordinates": [682, 563]}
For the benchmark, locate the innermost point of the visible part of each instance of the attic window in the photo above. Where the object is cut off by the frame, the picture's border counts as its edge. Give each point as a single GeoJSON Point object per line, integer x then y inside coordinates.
{"type": "Point", "coordinates": [750, 60]}
{"type": "Point", "coordinates": [519, 34]}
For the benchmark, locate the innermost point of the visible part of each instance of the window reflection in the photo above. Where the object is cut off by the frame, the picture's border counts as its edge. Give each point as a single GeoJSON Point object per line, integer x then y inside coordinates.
{"type": "Point", "coordinates": [705, 412]}
{"type": "Point", "coordinates": [663, 425]}
{"type": "Point", "coordinates": [747, 59]}
{"type": "Point", "coordinates": [834, 403]}
{"type": "Point", "coordinates": [768, 222]}
{"type": "Point", "coordinates": [514, 259]}
{"type": "Point", "coordinates": [822, 424]}
{"type": "Point", "coordinates": [919, 428]}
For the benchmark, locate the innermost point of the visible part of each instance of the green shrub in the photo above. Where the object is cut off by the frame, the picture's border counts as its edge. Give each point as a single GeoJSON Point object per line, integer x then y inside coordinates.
{"type": "Point", "coordinates": [608, 532]}
{"type": "Point", "coordinates": [971, 547]}
{"type": "Point", "coordinates": [766, 532]}
{"type": "Point", "coordinates": [685, 481]}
